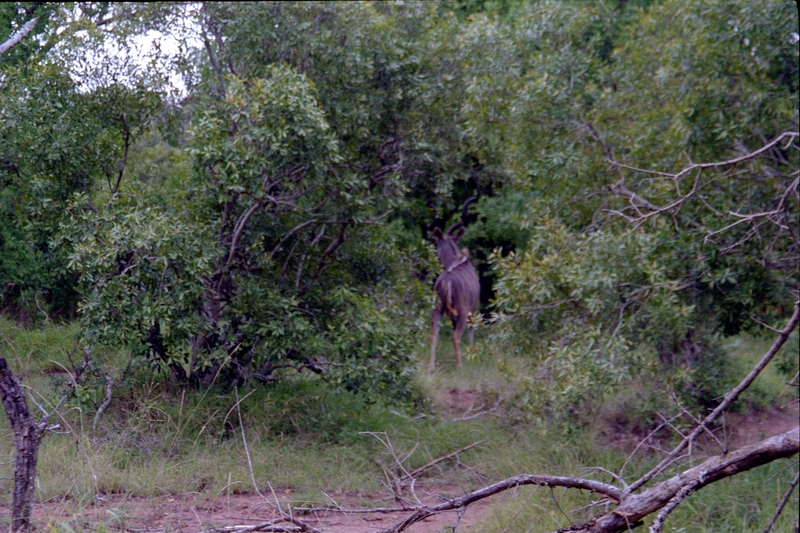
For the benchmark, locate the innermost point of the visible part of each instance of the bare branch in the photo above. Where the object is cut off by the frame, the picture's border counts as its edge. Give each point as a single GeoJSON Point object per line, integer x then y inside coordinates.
{"type": "Point", "coordinates": [455, 504]}
{"type": "Point", "coordinates": [239, 228]}
{"type": "Point", "coordinates": [289, 234]}
{"type": "Point", "coordinates": [750, 217]}
{"type": "Point", "coordinates": [18, 36]}
{"type": "Point", "coordinates": [669, 493]}
{"type": "Point", "coordinates": [332, 247]}
{"type": "Point", "coordinates": [124, 161]}
{"type": "Point", "coordinates": [637, 201]}
{"type": "Point", "coordinates": [414, 473]}
{"type": "Point", "coordinates": [682, 494]}
{"type": "Point", "coordinates": [718, 164]}
{"type": "Point", "coordinates": [785, 499]}
{"type": "Point", "coordinates": [212, 56]}
{"type": "Point", "coordinates": [730, 397]}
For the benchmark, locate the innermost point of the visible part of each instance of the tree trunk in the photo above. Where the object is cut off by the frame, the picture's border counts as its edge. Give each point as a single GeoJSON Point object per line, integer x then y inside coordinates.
{"type": "Point", "coordinates": [27, 436]}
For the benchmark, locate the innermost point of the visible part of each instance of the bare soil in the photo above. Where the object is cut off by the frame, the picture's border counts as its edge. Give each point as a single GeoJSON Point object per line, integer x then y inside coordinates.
{"type": "Point", "coordinates": [195, 512]}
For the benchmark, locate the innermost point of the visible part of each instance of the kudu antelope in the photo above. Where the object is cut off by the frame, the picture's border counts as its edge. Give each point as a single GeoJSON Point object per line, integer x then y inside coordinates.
{"type": "Point", "coordinates": [458, 287]}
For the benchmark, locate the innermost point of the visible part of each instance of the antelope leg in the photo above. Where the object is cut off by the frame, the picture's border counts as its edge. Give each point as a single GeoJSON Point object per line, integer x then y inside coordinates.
{"type": "Point", "coordinates": [437, 317]}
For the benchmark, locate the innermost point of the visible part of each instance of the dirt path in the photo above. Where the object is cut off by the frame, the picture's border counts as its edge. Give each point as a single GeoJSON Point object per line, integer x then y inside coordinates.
{"type": "Point", "coordinates": [197, 512]}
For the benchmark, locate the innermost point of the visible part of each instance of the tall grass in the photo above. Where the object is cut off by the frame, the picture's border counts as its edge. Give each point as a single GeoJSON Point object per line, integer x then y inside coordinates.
{"type": "Point", "coordinates": [303, 439]}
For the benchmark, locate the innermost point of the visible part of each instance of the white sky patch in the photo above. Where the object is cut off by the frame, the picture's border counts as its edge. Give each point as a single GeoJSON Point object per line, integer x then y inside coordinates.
{"type": "Point", "coordinates": [154, 58]}
{"type": "Point", "coordinates": [156, 44]}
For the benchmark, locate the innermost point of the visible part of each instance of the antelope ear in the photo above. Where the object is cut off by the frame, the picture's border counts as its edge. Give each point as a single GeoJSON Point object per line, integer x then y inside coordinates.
{"type": "Point", "coordinates": [457, 235]}
{"type": "Point", "coordinates": [437, 234]}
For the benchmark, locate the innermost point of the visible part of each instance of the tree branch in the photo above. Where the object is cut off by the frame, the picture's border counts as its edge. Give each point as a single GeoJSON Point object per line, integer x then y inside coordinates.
{"type": "Point", "coordinates": [18, 36]}
{"type": "Point", "coordinates": [785, 499]}
{"type": "Point", "coordinates": [212, 56]}
{"type": "Point", "coordinates": [423, 512]}
{"type": "Point", "coordinates": [730, 397]}
{"type": "Point", "coordinates": [637, 201]}
{"type": "Point", "coordinates": [667, 494]}
{"type": "Point", "coordinates": [718, 164]}
{"type": "Point", "coordinates": [124, 162]}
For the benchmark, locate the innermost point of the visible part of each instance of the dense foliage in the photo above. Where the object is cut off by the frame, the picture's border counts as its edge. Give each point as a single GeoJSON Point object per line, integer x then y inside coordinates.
{"type": "Point", "coordinates": [271, 216]}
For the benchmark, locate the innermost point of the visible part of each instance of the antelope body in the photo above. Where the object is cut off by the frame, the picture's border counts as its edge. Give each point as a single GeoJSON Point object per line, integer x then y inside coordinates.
{"type": "Point", "coordinates": [458, 288]}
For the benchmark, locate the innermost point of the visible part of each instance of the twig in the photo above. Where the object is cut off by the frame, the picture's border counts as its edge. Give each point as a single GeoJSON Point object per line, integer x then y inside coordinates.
{"type": "Point", "coordinates": [513, 518]}
{"type": "Point", "coordinates": [610, 473]}
{"type": "Point", "coordinates": [106, 401]}
{"type": "Point", "coordinates": [785, 499]}
{"type": "Point", "coordinates": [246, 450]}
{"type": "Point", "coordinates": [792, 383]}
{"type": "Point", "coordinates": [421, 469]}
{"type": "Point", "coordinates": [762, 324]}
{"type": "Point", "coordinates": [301, 526]}
{"type": "Point", "coordinates": [696, 421]}
{"type": "Point", "coordinates": [558, 506]}
{"type": "Point", "coordinates": [642, 443]}
{"type": "Point", "coordinates": [470, 415]}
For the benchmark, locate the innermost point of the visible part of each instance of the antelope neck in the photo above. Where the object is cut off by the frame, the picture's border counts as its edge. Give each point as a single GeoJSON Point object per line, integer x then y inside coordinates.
{"type": "Point", "coordinates": [460, 261]}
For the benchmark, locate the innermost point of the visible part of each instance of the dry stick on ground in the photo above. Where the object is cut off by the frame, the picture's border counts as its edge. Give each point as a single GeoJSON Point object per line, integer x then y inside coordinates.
{"type": "Point", "coordinates": [398, 482]}
{"type": "Point", "coordinates": [395, 484]}
{"type": "Point", "coordinates": [454, 504]}
{"type": "Point", "coordinates": [473, 413]}
{"type": "Point", "coordinates": [633, 507]}
{"type": "Point", "coordinates": [269, 527]}
{"type": "Point", "coordinates": [414, 473]}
